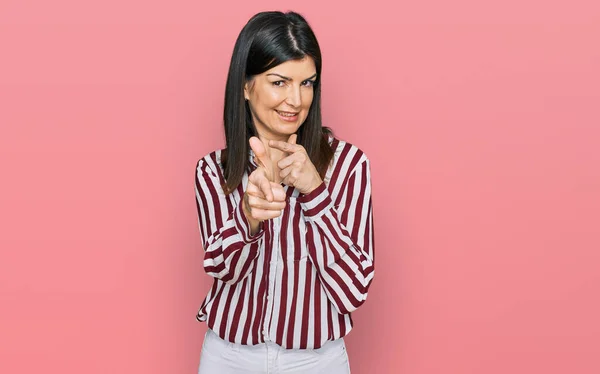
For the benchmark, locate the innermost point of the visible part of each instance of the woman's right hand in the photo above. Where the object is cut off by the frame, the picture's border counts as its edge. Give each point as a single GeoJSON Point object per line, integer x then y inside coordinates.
{"type": "Point", "coordinates": [263, 199]}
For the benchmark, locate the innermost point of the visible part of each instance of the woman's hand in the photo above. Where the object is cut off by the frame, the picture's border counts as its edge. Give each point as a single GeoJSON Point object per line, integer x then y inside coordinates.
{"type": "Point", "coordinates": [263, 199]}
{"type": "Point", "coordinates": [297, 169]}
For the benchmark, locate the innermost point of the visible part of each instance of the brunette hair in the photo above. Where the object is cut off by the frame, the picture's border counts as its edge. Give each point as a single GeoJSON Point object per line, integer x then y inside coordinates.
{"type": "Point", "coordinates": [267, 40]}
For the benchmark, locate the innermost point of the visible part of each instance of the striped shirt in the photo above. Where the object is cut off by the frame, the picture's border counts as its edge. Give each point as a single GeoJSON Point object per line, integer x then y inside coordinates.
{"type": "Point", "coordinates": [296, 281]}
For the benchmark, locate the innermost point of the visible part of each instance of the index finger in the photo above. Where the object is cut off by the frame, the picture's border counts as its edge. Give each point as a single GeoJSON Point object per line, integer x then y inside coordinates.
{"type": "Point", "coordinates": [260, 154]}
{"type": "Point", "coordinates": [263, 184]}
{"type": "Point", "coordinates": [277, 189]}
{"type": "Point", "coordinates": [265, 187]}
{"type": "Point", "coordinates": [284, 146]}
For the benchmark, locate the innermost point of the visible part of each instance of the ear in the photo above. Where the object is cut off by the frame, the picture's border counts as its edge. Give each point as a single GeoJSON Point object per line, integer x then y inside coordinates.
{"type": "Point", "coordinates": [248, 87]}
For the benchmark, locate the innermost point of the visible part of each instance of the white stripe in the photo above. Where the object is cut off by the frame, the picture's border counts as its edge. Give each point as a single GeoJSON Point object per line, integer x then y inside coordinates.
{"type": "Point", "coordinates": [276, 302]}
{"type": "Point", "coordinates": [257, 280]}
{"type": "Point", "coordinates": [324, 323]}
{"type": "Point", "coordinates": [343, 174]}
{"type": "Point", "coordinates": [310, 341]}
{"type": "Point", "coordinates": [201, 219]}
{"type": "Point", "coordinates": [210, 228]}
{"type": "Point", "coordinates": [234, 301]}
{"type": "Point", "coordinates": [221, 307]}
{"type": "Point", "coordinates": [335, 323]}
{"type": "Point", "coordinates": [244, 314]}
{"type": "Point", "coordinates": [299, 303]}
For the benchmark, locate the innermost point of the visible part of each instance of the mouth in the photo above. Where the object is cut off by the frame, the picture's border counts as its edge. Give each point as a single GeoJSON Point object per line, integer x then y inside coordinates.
{"type": "Point", "coordinates": [287, 116]}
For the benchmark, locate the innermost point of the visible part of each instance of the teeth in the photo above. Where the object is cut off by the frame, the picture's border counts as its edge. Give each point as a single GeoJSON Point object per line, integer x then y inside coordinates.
{"type": "Point", "coordinates": [285, 114]}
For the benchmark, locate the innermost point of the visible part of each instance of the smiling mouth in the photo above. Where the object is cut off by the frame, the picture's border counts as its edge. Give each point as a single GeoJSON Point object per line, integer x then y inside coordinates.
{"type": "Point", "coordinates": [287, 114]}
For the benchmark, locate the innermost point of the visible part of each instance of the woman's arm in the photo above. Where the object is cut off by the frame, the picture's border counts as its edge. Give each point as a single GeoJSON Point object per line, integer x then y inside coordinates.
{"type": "Point", "coordinates": [340, 238]}
{"type": "Point", "coordinates": [230, 249]}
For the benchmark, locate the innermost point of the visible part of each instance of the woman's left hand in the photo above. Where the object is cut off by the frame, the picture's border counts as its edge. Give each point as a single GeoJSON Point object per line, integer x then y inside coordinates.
{"type": "Point", "coordinates": [297, 170]}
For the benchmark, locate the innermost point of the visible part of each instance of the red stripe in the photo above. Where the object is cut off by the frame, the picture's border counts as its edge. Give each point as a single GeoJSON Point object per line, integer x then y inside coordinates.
{"type": "Point", "coordinates": [214, 307]}
{"type": "Point", "coordinates": [359, 203]}
{"type": "Point", "coordinates": [292, 320]}
{"type": "Point", "coordinates": [282, 304]}
{"type": "Point", "coordinates": [350, 169]}
{"type": "Point", "coordinates": [235, 258]}
{"type": "Point", "coordinates": [297, 253]}
{"type": "Point", "coordinates": [238, 311]}
{"type": "Point", "coordinates": [306, 307]}
{"type": "Point", "coordinates": [215, 198]}
{"type": "Point", "coordinates": [250, 309]}
{"type": "Point", "coordinates": [215, 269]}
{"type": "Point", "coordinates": [337, 242]}
{"type": "Point", "coordinates": [317, 313]}
{"type": "Point", "coordinates": [283, 232]}
{"type": "Point", "coordinates": [212, 293]}
{"type": "Point", "coordinates": [205, 228]}
{"type": "Point", "coordinates": [261, 309]}
{"type": "Point", "coordinates": [225, 313]}
{"type": "Point", "coordinates": [319, 207]}
{"type": "Point", "coordinates": [342, 323]}
{"type": "Point", "coordinates": [349, 197]}
{"type": "Point", "coordinates": [250, 260]}
{"type": "Point", "coordinates": [296, 227]}
{"type": "Point", "coordinates": [218, 165]}
{"type": "Point", "coordinates": [338, 164]}
{"type": "Point", "coordinates": [329, 322]}
{"type": "Point", "coordinates": [368, 232]}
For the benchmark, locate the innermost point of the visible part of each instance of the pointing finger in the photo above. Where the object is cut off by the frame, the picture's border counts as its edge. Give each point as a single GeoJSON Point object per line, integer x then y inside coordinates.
{"type": "Point", "coordinates": [289, 160]}
{"type": "Point", "coordinates": [265, 188]}
{"type": "Point", "coordinates": [284, 146]}
{"type": "Point", "coordinates": [292, 139]}
{"type": "Point", "coordinates": [277, 189]}
{"type": "Point", "coordinates": [260, 153]}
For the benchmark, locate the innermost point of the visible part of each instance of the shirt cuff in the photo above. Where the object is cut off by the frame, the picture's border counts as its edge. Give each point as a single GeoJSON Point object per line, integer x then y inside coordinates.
{"type": "Point", "coordinates": [316, 203]}
{"type": "Point", "coordinates": [243, 226]}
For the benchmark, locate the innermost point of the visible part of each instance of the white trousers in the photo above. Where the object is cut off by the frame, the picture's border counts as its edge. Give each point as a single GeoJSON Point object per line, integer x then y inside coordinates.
{"type": "Point", "coordinates": [222, 357]}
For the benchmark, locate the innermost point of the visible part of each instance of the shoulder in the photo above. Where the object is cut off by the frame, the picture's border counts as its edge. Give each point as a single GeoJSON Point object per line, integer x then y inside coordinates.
{"type": "Point", "coordinates": [210, 163]}
{"type": "Point", "coordinates": [347, 153]}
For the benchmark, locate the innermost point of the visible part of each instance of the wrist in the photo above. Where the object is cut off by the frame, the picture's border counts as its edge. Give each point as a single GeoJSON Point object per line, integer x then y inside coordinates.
{"type": "Point", "coordinates": [245, 224]}
{"type": "Point", "coordinates": [253, 222]}
{"type": "Point", "coordinates": [317, 182]}
{"type": "Point", "coordinates": [245, 209]}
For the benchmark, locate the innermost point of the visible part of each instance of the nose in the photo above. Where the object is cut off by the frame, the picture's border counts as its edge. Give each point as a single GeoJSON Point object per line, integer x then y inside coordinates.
{"type": "Point", "coordinates": [294, 97]}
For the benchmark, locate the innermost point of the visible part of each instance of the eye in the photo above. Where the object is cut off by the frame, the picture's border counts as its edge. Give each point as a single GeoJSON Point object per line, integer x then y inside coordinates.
{"type": "Point", "coordinates": [278, 83]}
{"type": "Point", "coordinates": [308, 83]}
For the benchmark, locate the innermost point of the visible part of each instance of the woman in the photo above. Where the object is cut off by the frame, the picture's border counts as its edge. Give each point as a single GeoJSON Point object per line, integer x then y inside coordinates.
{"type": "Point", "coordinates": [284, 212]}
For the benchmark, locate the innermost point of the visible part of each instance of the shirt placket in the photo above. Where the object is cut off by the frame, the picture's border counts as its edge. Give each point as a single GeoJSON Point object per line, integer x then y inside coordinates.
{"type": "Point", "coordinates": [272, 273]}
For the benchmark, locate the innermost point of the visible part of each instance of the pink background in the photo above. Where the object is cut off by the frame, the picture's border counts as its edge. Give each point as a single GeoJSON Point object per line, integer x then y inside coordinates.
{"type": "Point", "coordinates": [481, 120]}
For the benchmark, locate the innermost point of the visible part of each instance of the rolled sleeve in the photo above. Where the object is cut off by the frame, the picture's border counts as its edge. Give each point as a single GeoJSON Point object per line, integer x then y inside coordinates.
{"type": "Point", "coordinates": [316, 203]}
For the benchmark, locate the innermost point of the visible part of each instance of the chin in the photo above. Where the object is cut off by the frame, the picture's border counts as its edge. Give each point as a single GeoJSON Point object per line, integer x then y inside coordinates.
{"type": "Point", "coordinates": [287, 130]}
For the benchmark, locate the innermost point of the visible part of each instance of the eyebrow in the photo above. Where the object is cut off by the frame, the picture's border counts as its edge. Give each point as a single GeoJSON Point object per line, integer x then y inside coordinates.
{"type": "Point", "coordinates": [289, 79]}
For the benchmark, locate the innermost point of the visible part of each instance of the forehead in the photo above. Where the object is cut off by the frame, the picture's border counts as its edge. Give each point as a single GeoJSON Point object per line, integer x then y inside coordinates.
{"type": "Point", "coordinates": [295, 69]}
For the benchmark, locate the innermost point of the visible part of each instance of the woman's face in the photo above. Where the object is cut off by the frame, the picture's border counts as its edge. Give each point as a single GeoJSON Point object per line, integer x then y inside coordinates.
{"type": "Point", "coordinates": [280, 98]}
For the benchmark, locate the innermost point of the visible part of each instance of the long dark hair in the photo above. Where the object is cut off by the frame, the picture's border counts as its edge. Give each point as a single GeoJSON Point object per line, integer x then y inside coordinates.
{"type": "Point", "coordinates": [267, 40]}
